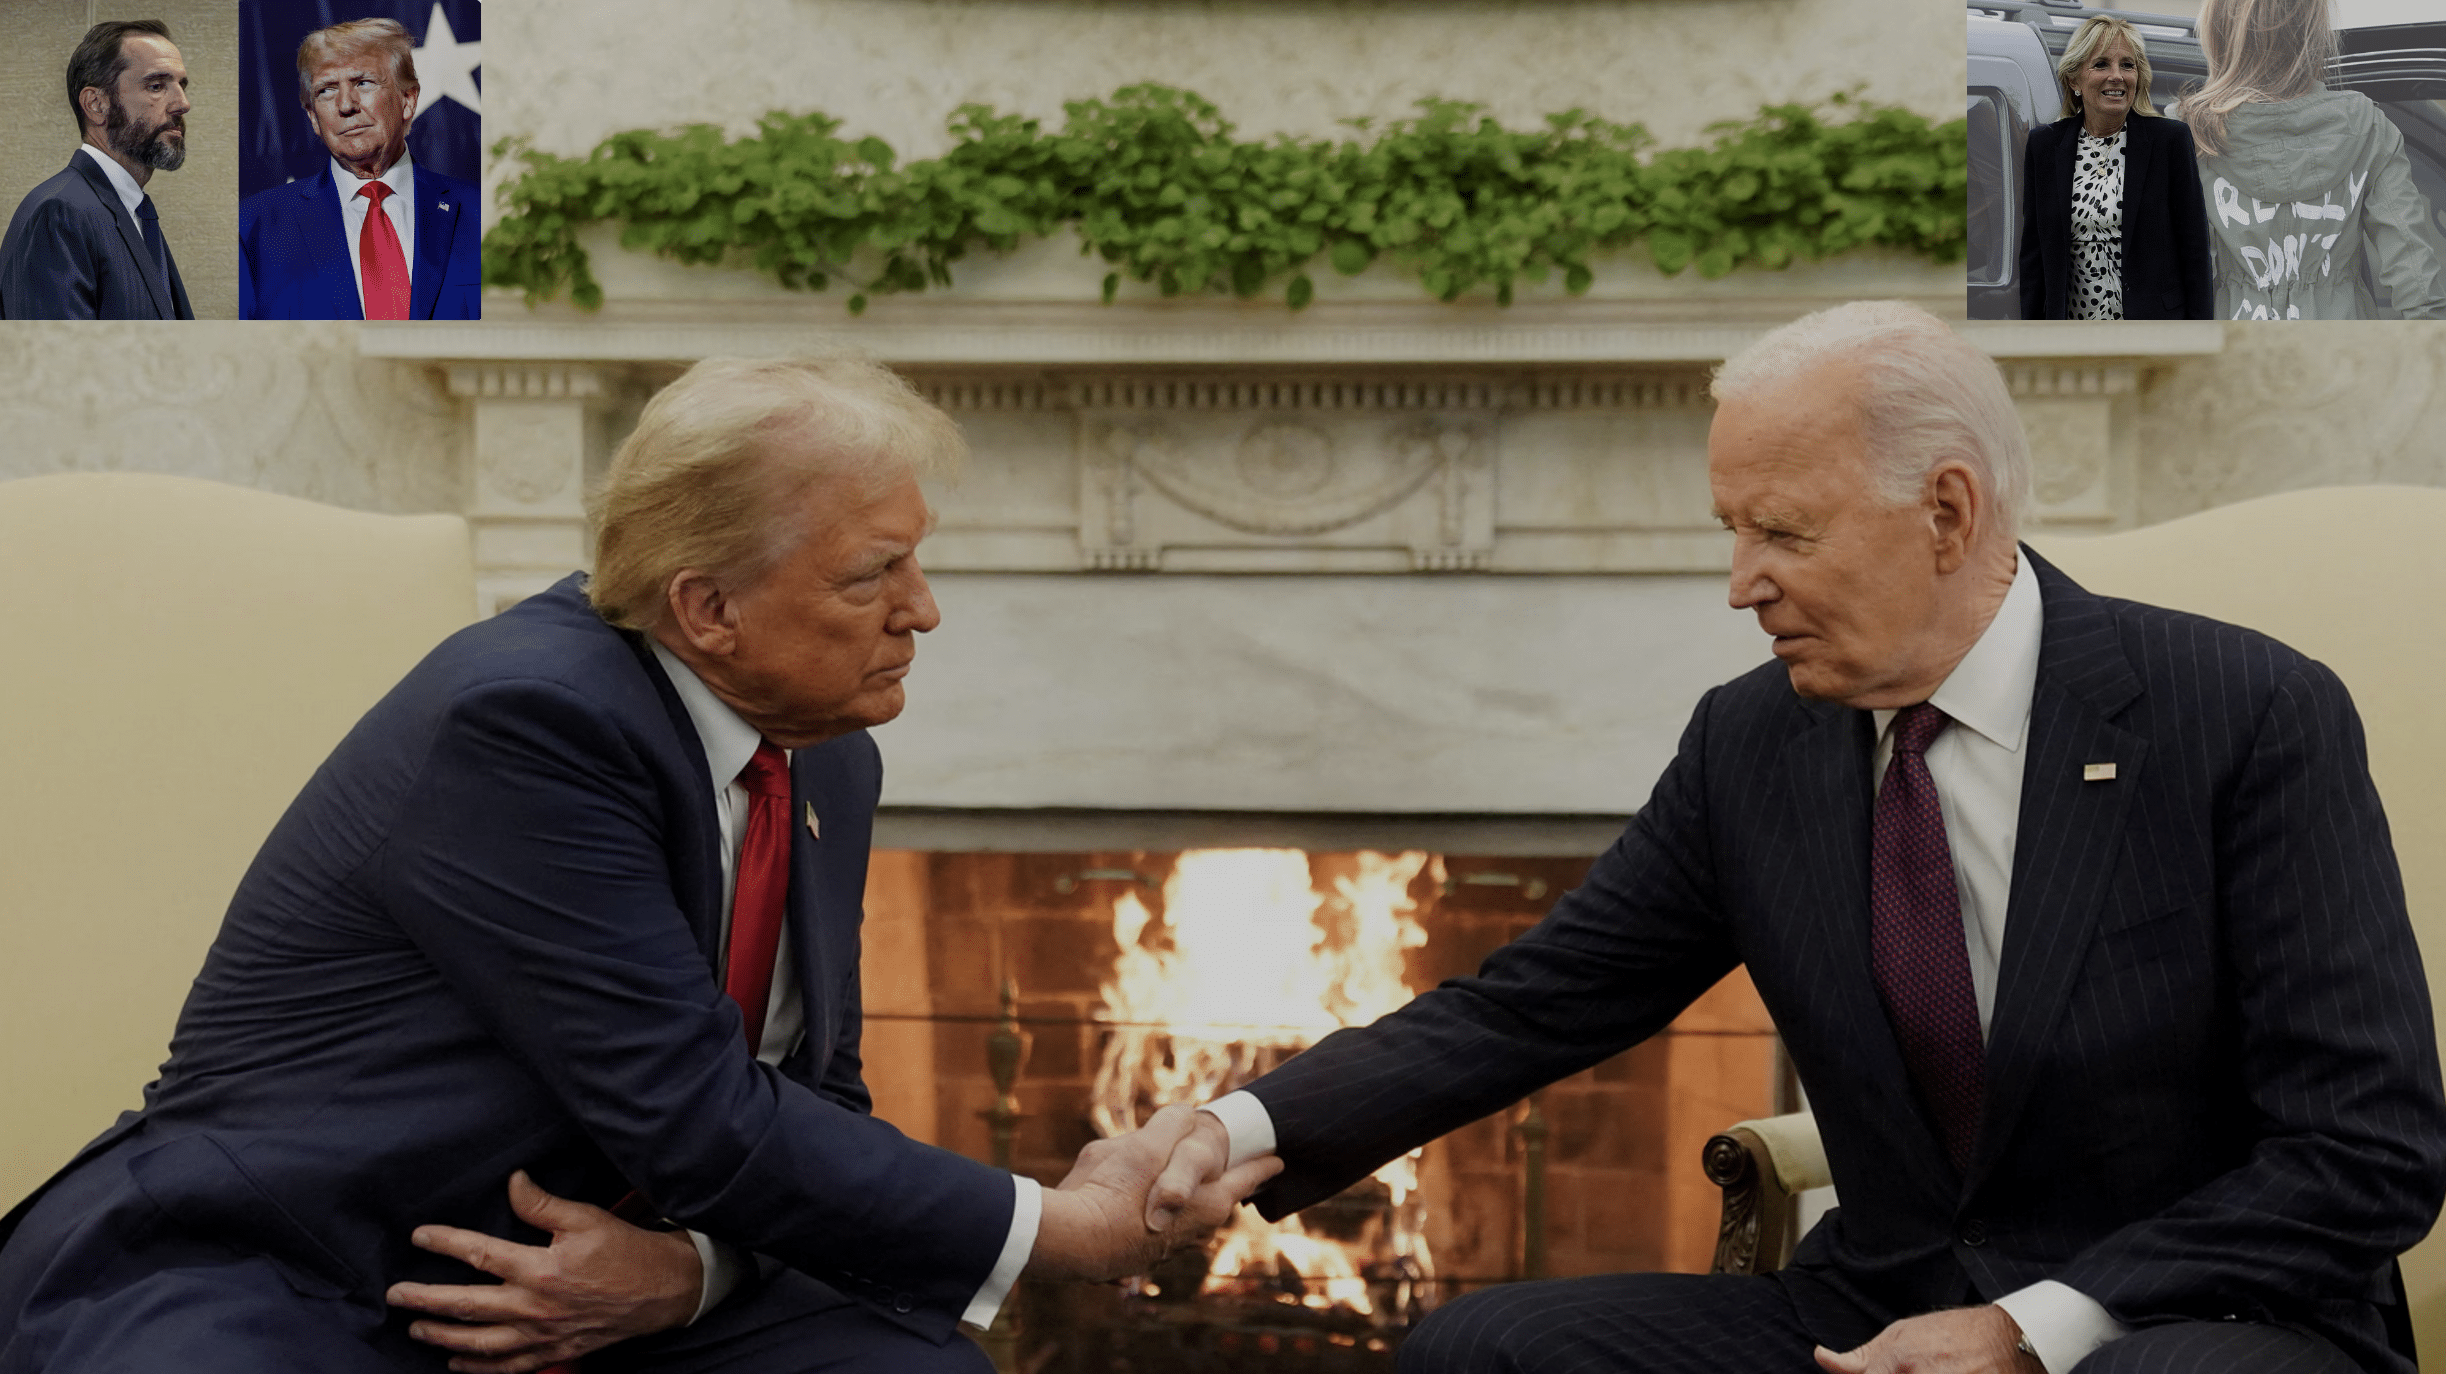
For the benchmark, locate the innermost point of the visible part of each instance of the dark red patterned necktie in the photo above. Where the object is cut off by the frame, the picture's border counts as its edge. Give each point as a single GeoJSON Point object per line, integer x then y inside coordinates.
{"type": "Point", "coordinates": [1915, 938]}
{"type": "Point", "coordinates": [756, 897]}
{"type": "Point", "coordinates": [381, 267]}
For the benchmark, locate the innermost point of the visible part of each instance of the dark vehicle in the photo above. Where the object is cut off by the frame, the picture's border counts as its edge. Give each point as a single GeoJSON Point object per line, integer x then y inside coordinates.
{"type": "Point", "coordinates": [2393, 51]}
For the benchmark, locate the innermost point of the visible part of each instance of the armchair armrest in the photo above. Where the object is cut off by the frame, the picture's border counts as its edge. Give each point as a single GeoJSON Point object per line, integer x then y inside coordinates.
{"type": "Point", "coordinates": [1760, 1165]}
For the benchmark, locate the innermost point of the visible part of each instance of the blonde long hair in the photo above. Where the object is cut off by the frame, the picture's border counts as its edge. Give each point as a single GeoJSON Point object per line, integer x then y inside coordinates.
{"type": "Point", "coordinates": [2088, 41]}
{"type": "Point", "coordinates": [2256, 50]}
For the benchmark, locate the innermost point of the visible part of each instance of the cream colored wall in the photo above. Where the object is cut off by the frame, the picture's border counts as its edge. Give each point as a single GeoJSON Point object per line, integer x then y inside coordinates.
{"type": "Point", "coordinates": [565, 73]}
{"type": "Point", "coordinates": [279, 406]}
{"type": "Point", "coordinates": [198, 203]}
{"type": "Point", "coordinates": [2296, 405]}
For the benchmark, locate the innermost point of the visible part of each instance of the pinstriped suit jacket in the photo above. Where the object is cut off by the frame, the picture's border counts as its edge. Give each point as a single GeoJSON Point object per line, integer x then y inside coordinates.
{"type": "Point", "coordinates": [2212, 1077]}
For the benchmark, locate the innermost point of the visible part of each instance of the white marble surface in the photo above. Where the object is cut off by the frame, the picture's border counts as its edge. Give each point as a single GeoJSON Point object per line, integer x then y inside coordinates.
{"type": "Point", "coordinates": [1517, 695]}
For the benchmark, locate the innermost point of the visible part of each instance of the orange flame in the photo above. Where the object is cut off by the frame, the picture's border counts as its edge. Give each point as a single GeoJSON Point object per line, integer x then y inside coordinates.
{"type": "Point", "coordinates": [1257, 960]}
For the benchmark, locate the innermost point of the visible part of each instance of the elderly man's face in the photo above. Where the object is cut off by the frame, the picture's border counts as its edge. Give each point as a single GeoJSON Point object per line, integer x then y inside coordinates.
{"type": "Point", "coordinates": [826, 637]}
{"type": "Point", "coordinates": [1846, 585]}
{"type": "Point", "coordinates": [360, 111]}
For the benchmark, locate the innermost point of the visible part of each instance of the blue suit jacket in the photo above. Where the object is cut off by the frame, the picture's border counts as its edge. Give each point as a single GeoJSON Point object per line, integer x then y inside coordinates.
{"type": "Point", "coordinates": [73, 252]}
{"type": "Point", "coordinates": [293, 253]}
{"type": "Point", "coordinates": [2212, 1075]}
{"type": "Point", "coordinates": [484, 939]}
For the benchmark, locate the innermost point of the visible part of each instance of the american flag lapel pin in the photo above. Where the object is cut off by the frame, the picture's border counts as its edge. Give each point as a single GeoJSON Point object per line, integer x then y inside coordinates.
{"type": "Point", "coordinates": [2097, 772]}
{"type": "Point", "coordinates": [817, 831]}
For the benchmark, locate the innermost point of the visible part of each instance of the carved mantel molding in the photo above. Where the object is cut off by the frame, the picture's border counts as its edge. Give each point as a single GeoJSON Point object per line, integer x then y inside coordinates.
{"type": "Point", "coordinates": [1358, 437]}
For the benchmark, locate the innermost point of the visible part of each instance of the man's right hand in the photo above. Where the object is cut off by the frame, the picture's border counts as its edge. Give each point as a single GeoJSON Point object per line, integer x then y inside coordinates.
{"type": "Point", "coordinates": [1099, 1225]}
{"type": "Point", "coordinates": [1196, 1161]}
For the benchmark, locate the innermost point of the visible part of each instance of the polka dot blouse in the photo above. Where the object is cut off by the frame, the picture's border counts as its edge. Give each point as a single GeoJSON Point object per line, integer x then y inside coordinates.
{"type": "Point", "coordinates": [2097, 229]}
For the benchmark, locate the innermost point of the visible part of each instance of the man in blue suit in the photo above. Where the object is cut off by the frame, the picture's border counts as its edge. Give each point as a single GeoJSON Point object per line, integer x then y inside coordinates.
{"type": "Point", "coordinates": [86, 245]}
{"type": "Point", "coordinates": [371, 236]}
{"type": "Point", "coordinates": [575, 907]}
{"type": "Point", "coordinates": [2079, 919]}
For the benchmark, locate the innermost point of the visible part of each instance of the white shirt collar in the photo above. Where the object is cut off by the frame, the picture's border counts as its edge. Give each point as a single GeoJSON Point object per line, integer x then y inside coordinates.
{"type": "Point", "coordinates": [123, 181]}
{"type": "Point", "coordinates": [400, 178]}
{"type": "Point", "coordinates": [729, 741]}
{"type": "Point", "coordinates": [1990, 689]}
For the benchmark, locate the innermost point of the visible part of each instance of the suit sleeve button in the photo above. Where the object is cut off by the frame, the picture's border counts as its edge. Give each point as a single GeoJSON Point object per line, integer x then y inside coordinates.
{"type": "Point", "coordinates": [1974, 1232]}
{"type": "Point", "coordinates": [902, 1302]}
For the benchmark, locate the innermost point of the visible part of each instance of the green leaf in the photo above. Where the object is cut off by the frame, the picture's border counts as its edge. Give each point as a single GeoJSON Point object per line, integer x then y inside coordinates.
{"type": "Point", "coordinates": [1153, 180]}
{"type": "Point", "coordinates": [1302, 291]}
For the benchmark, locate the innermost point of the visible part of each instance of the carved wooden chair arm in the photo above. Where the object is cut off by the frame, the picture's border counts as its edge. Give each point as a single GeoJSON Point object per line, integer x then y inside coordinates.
{"type": "Point", "coordinates": [1761, 1165]}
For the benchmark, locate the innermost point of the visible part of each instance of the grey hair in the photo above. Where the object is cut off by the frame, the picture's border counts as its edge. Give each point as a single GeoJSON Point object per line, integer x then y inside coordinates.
{"type": "Point", "coordinates": [1927, 395]}
{"type": "Point", "coordinates": [716, 474]}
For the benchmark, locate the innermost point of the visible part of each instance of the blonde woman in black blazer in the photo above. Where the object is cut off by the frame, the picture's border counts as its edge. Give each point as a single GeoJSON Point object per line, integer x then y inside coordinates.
{"type": "Point", "coordinates": [2113, 226]}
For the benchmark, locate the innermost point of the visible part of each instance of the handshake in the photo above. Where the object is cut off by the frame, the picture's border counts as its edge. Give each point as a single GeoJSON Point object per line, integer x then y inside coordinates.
{"type": "Point", "coordinates": [1133, 1199]}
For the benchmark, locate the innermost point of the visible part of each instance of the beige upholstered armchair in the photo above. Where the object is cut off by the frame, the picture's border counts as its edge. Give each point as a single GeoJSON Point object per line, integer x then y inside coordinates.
{"type": "Point", "coordinates": [180, 656]}
{"type": "Point", "coordinates": [2349, 575]}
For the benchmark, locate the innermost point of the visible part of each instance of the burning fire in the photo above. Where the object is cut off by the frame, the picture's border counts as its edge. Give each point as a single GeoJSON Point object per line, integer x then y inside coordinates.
{"type": "Point", "coordinates": [1250, 964]}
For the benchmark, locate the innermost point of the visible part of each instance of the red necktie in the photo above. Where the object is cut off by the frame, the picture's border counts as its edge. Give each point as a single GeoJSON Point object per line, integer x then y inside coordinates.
{"type": "Point", "coordinates": [756, 898]}
{"type": "Point", "coordinates": [382, 267]}
{"type": "Point", "coordinates": [1915, 938]}
{"type": "Point", "coordinates": [755, 918]}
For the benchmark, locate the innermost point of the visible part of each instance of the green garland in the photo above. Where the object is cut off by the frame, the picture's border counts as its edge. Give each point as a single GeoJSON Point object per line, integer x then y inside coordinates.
{"type": "Point", "coordinates": [1153, 181]}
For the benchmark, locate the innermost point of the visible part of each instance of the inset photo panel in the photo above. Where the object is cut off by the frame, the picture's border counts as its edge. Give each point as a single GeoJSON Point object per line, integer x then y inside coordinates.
{"type": "Point", "coordinates": [2221, 159]}
{"type": "Point", "coordinates": [362, 136]}
{"type": "Point", "coordinates": [118, 160]}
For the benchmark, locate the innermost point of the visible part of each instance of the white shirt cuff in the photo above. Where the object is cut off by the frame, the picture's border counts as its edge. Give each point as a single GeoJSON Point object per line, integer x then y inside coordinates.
{"type": "Point", "coordinates": [1027, 1210]}
{"type": "Point", "coordinates": [724, 1266]}
{"type": "Point", "coordinates": [1247, 1128]}
{"type": "Point", "coordinates": [2062, 1324]}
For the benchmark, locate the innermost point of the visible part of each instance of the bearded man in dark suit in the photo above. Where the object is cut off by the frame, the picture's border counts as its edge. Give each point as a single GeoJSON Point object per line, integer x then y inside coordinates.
{"type": "Point", "coordinates": [86, 244]}
{"type": "Point", "coordinates": [2079, 918]}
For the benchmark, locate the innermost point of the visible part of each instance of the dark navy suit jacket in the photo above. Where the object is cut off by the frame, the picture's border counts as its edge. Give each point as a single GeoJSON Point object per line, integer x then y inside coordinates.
{"type": "Point", "coordinates": [2212, 1075]}
{"type": "Point", "coordinates": [293, 253]}
{"type": "Point", "coordinates": [483, 939]}
{"type": "Point", "coordinates": [73, 252]}
{"type": "Point", "coordinates": [2166, 270]}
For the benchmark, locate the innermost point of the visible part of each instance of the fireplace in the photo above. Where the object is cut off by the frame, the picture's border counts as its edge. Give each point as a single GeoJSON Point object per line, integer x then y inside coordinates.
{"type": "Point", "coordinates": [1139, 976]}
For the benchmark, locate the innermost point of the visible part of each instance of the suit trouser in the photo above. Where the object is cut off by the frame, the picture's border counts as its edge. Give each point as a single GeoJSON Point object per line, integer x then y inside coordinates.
{"type": "Point", "coordinates": [1715, 1324]}
{"type": "Point", "coordinates": [790, 1324]}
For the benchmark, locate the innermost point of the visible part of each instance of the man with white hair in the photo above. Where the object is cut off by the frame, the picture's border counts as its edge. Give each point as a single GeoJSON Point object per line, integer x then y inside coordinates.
{"type": "Point", "coordinates": [575, 908]}
{"type": "Point", "coordinates": [2078, 917]}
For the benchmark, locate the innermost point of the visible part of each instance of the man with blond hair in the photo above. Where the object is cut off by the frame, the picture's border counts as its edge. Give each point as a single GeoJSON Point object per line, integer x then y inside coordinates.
{"type": "Point", "coordinates": [371, 236]}
{"type": "Point", "coordinates": [2078, 918]}
{"type": "Point", "coordinates": [563, 941]}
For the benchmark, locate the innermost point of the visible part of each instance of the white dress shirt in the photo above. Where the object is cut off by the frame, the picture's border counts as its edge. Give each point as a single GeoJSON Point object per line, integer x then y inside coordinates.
{"type": "Point", "coordinates": [400, 207]}
{"type": "Point", "coordinates": [1976, 766]}
{"type": "Point", "coordinates": [122, 180]}
{"type": "Point", "coordinates": [729, 743]}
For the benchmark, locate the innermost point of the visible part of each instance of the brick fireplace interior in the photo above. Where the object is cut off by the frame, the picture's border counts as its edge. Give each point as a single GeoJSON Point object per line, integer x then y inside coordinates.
{"type": "Point", "coordinates": [1623, 1187]}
